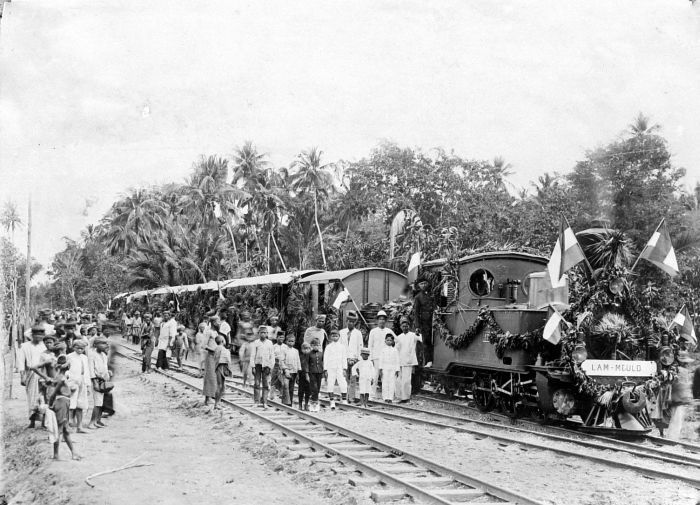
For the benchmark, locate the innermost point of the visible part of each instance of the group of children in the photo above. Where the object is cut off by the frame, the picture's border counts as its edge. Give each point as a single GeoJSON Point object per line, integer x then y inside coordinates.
{"type": "Point", "coordinates": [277, 367]}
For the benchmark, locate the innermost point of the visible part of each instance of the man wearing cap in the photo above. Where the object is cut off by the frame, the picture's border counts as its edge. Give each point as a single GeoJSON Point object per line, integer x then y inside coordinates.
{"type": "Point", "coordinates": [376, 344]}
{"type": "Point", "coordinates": [406, 343]}
{"type": "Point", "coordinates": [423, 307]}
{"type": "Point", "coordinates": [351, 339]}
{"type": "Point", "coordinates": [99, 371]}
{"type": "Point", "coordinates": [29, 358]}
{"type": "Point", "coordinates": [79, 373]}
{"type": "Point", "coordinates": [317, 331]}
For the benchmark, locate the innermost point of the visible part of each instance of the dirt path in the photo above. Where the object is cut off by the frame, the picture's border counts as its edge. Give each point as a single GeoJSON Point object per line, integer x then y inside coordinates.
{"type": "Point", "coordinates": [199, 457]}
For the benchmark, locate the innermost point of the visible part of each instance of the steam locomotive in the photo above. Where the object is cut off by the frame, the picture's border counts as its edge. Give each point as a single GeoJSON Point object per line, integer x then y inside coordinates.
{"type": "Point", "coordinates": [488, 344]}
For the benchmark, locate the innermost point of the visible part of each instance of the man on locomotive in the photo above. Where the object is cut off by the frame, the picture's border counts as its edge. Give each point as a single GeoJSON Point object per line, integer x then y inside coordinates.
{"type": "Point", "coordinates": [423, 307]}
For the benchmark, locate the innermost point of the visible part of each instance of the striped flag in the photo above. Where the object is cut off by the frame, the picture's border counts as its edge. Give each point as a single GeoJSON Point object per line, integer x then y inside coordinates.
{"type": "Point", "coordinates": [659, 250]}
{"type": "Point", "coordinates": [552, 330]}
{"type": "Point", "coordinates": [566, 254]}
{"type": "Point", "coordinates": [684, 323]}
{"type": "Point", "coordinates": [413, 267]}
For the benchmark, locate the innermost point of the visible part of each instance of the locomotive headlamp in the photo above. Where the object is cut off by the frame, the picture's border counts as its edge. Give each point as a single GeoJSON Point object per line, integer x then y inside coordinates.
{"type": "Point", "coordinates": [666, 356]}
{"type": "Point", "coordinates": [579, 354]}
{"type": "Point", "coordinates": [617, 285]}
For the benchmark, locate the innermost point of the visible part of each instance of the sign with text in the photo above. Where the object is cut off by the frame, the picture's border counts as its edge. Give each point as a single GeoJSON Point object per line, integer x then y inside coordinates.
{"type": "Point", "coordinates": [616, 368]}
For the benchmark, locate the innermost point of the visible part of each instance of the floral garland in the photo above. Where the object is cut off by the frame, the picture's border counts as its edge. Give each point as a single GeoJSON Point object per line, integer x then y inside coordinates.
{"type": "Point", "coordinates": [502, 340]}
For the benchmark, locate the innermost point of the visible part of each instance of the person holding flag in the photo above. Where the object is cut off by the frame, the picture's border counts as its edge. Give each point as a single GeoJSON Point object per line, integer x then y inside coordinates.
{"type": "Point", "coordinates": [567, 253]}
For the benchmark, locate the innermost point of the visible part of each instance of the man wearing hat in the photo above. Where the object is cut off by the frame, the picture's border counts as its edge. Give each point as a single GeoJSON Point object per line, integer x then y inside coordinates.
{"type": "Point", "coordinates": [376, 343]}
{"type": "Point", "coordinates": [316, 331]}
{"type": "Point", "coordinates": [423, 307]}
{"type": "Point", "coordinates": [351, 339]}
{"type": "Point", "coordinates": [29, 360]}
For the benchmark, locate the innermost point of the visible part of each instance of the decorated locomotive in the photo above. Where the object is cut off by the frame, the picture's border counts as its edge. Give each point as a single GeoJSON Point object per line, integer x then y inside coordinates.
{"type": "Point", "coordinates": [504, 336]}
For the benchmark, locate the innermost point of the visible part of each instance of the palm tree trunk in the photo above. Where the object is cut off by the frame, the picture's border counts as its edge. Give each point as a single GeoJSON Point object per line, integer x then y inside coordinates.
{"type": "Point", "coordinates": [278, 251]}
{"type": "Point", "coordinates": [233, 241]}
{"type": "Point", "coordinates": [267, 251]}
{"type": "Point", "coordinates": [318, 228]}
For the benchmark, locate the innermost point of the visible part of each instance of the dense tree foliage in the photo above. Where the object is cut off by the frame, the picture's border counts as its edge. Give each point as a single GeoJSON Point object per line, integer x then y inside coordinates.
{"type": "Point", "coordinates": [243, 216]}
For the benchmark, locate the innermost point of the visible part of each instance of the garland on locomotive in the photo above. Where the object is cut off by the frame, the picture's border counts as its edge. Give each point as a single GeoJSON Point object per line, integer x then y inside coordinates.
{"type": "Point", "coordinates": [611, 369]}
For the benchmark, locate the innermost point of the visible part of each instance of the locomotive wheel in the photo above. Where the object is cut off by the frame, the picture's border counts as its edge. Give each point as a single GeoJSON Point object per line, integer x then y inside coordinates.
{"type": "Point", "coordinates": [482, 395]}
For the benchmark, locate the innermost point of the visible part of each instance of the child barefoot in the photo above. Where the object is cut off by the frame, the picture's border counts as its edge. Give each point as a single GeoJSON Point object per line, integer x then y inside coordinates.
{"type": "Point", "coordinates": [304, 378]}
{"type": "Point", "coordinates": [60, 403]}
{"type": "Point", "coordinates": [389, 368]}
{"type": "Point", "coordinates": [364, 369]}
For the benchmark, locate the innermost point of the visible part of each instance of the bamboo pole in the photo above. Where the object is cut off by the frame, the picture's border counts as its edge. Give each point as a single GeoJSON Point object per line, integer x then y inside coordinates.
{"type": "Point", "coordinates": [28, 273]}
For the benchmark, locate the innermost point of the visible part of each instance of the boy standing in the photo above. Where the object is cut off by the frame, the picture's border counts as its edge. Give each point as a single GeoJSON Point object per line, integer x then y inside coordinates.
{"type": "Point", "coordinates": [180, 343]}
{"type": "Point", "coordinates": [304, 377]}
{"type": "Point", "coordinates": [351, 338]}
{"type": "Point", "coordinates": [262, 359]}
{"type": "Point", "coordinates": [377, 339]}
{"type": "Point", "coordinates": [364, 371]}
{"type": "Point", "coordinates": [278, 377]}
{"type": "Point", "coordinates": [389, 369]}
{"type": "Point", "coordinates": [60, 403]}
{"type": "Point", "coordinates": [292, 366]}
{"type": "Point", "coordinates": [99, 372]}
{"type": "Point", "coordinates": [244, 353]}
{"type": "Point", "coordinates": [79, 373]}
{"type": "Point", "coordinates": [315, 373]}
{"type": "Point", "coordinates": [406, 345]}
{"type": "Point", "coordinates": [335, 361]}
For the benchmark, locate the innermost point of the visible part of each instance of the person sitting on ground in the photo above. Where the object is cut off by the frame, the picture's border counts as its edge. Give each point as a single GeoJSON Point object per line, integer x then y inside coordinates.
{"type": "Point", "coordinates": [335, 361]}
{"type": "Point", "coordinates": [364, 371]}
{"type": "Point", "coordinates": [60, 404]}
{"type": "Point", "coordinates": [389, 369]}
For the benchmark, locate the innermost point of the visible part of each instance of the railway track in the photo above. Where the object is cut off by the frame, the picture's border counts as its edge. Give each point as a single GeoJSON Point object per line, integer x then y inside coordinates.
{"type": "Point", "coordinates": [510, 434]}
{"type": "Point", "coordinates": [392, 473]}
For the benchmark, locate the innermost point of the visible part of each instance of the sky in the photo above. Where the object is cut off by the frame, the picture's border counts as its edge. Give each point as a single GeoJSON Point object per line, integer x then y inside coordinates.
{"type": "Point", "coordinates": [97, 97]}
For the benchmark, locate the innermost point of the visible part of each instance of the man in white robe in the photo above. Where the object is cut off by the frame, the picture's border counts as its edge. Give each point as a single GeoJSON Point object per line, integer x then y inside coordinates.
{"type": "Point", "coordinates": [29, 360]}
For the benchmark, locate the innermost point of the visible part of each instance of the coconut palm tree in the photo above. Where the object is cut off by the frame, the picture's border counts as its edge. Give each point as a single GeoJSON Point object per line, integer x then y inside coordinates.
{"type": "Point", "coordinates": [313, 177]}
{"type": "Point", "coordinates": [133, 218]}
{"type": "Point", "coordinates": [642, 125]}
{"type": "Point", "coordinates": [10, 219]}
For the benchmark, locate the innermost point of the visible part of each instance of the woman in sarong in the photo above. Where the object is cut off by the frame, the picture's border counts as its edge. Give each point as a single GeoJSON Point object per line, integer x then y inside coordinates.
{"type": "Point", "coordinates": [211, 359]}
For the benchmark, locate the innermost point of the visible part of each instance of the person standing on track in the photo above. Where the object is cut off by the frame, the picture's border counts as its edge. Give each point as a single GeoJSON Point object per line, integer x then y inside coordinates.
{"type": "Point", "coordinates": [317, 331]}
{"type": "Point", "coordinates": [292, 365]}
{"type": "Point", "coordinates": [315, 373]}
{"type": "Point", "coordinates": [377, 342]}
{"type": "Point", "coordinates": [147, 340]}
{"type": "Point", "coordinates": [136, 324]}
{"type": "Point", "coordinates": [351, 339]}
{"type": "Point", "coordinates": [406, 343]}
{"type": "Point", "coordinates": [335, 362]}
{"type": "Point", "coordinates": [167, 333]}
{"type": "Point", "coordinates": [262, 359]}
{"type": "Point", "coordinates": [223, 370]}
{"type": "Point", "coordinates": [389, 369]}
{"type": "Point", "coordinates": [364, 371]}
{"type": "Point", "coordinates": [304, 377]}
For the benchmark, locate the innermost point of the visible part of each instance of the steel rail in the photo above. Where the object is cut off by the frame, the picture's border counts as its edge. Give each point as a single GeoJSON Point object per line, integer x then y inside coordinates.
{"type": "Point", "coordinates": [407, 487]}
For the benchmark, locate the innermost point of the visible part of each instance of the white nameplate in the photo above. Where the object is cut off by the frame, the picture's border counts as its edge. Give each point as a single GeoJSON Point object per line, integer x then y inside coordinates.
{"type": "Point", "coordinates": [615, 368]}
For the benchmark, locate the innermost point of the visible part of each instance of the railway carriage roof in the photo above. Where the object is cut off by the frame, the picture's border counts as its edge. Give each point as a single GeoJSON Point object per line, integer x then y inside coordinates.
{"type": "Point", "coordinates": [491, 255]}
{"type": "Point", "coordinates": [339, 275]}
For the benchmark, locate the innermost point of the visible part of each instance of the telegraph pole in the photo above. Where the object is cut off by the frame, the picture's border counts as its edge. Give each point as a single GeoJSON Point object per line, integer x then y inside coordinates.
{"type": "Point", "coordinates": [28, 273]}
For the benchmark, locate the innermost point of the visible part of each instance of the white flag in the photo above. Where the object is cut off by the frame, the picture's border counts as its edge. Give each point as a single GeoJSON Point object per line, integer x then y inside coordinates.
{"type": "Point", "coordinates": [413, 265]}
{"type": "Point", "coordinates": [342, 297]}
{"type": "Point", "coordinates": [552, 332]}
{"type": "Point", "coordinates": [566, 254]}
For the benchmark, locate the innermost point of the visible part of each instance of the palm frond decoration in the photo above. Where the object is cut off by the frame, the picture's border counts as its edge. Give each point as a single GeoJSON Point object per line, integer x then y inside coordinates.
{"type": "Point", "coordinates": [607, 248]}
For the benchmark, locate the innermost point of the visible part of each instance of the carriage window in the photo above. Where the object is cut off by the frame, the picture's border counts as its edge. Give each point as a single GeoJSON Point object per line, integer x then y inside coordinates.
{"type": "Point", "coordinates": [481, 282]}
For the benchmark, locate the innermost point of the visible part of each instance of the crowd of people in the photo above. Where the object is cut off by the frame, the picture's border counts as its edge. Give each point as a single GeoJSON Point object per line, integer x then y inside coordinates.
{"type": "Point", "coordinates": [64, 365]}
{"type": "Point", "coordinates": [277, 364]}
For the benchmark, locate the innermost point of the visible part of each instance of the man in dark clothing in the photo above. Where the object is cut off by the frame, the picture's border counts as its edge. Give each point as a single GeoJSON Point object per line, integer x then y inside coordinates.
{"type": "Point", "coordinates": [423, 307]}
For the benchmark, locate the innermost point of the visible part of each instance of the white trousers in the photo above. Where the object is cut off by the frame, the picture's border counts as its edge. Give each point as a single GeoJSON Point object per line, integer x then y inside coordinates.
{"type": "Point", "coordinates": [388, 384]}
{"type": "Point", "coordinates": [375, 387]}
{"type": "Point", "coordinates": [675, 424]}
{"type": "Point", "coordinates": [403, 390]}
{"type": "Point", "coordinates": [337, 375]}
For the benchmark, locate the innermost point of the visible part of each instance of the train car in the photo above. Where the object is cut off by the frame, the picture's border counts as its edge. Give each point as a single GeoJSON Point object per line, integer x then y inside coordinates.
{"type": "Point", "coordinates": [488, 344]}
{"type": "Point", "coordinates": [371, 285]}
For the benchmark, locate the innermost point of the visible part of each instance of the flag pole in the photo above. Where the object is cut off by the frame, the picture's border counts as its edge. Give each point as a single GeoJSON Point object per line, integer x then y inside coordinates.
{"type": "Point", "coordinates": [356, 307]}
{"type": "Point", "coordinates": [645, 246]}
